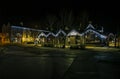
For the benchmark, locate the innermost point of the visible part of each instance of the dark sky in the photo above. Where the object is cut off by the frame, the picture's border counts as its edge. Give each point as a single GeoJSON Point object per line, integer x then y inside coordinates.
{"type": "Point", "coordinates": [100, 12]}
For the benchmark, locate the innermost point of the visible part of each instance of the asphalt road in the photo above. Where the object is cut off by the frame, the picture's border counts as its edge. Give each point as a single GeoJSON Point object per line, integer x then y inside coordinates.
{"type": "Point", "coordinates": [18, 62]}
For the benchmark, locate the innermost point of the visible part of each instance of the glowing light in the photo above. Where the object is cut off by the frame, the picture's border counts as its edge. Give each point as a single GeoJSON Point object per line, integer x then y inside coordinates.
{"type": "Point", "coordinates": [73, 33]}
{"type": "Point", "coordinates": [23, 39]}
{"type": "Point", "coordinates": [42, 34]}
{"type": "Point", "coordinates": [18, 27]}
{"type": "Point", "coordinates": [67, 46]}
{"type": "Point", "coordinates": [102, 36]}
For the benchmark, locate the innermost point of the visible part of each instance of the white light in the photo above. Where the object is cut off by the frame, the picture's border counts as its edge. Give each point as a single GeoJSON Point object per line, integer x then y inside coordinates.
{"type": "Point", "coordinates": [73, 33]}
{"type": "Point", "coordinates": [102, 36]}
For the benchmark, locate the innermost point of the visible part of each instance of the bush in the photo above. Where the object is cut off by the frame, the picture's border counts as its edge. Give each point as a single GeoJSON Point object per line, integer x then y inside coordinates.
{"type": "Point", "coordinates": [48, 45]}
{"type": "Point", "coordinates": [74, 47]}
{"type": "Point", "coordinates": [82, 47]}
{"type": "Point", "coordinates": [30, 42]}
{"type": "Point", "coordinates": [63, 46]}
{"type": "Point", "coordinates": [77, 47]}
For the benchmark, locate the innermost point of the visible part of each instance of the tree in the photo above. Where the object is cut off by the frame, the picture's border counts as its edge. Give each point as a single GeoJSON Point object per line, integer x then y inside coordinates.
{"type": "Point", "coordinates": [83, 19]}
{"type": "Point", "coordinates": [66, 19]}
{"type": "Point", "coordinates": [21, 23]}
{"type": "Point", "coordinates": [70, 19]}
{"type": "Point", "coordinates": [3, 28]}
{"type": "Point", "coordinates": [51, 20]}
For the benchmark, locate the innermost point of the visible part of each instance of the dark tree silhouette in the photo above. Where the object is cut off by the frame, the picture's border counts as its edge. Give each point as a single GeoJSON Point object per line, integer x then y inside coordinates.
{"type": "Point", "coordinates": [50, 22]}
{"type": "Point", "coordinates": [83, 20]}
{"type": "Point", "coordinates": [66, 19]}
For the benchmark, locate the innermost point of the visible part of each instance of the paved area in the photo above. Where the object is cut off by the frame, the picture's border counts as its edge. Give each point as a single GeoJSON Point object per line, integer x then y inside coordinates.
{"type": "Point", "coordinates": [18, 62]}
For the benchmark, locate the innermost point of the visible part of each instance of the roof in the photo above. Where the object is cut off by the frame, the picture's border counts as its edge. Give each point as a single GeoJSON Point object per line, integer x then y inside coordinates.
{"type": "Point", "coordinates": [73, 33]}
{"type": "Point", "coordinates": [100, 35]}
{"type": "Point", "coordinates": [50, 34]}
{"type": "Point", "coordinates": [42, 34]}
{"type": "Point", "coordinates": [60, 31]}
{"type": "Point", "coordinates": [90, 26]}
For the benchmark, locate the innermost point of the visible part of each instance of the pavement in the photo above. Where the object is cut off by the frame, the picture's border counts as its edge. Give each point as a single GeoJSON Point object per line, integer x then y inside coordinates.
{"type": "Point", "coordinates": [18, 62]}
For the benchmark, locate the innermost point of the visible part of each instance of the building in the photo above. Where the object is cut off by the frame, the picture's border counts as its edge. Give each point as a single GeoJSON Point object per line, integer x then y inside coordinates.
{"type": "Point", "coordinates": [94, 36]}
{"type": "Point", "coordinates": [23, 35]}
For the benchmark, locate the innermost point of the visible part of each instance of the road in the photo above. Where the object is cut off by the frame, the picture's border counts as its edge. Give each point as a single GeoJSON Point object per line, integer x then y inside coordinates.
{"type": "Point", "coordinates": [19, 62]}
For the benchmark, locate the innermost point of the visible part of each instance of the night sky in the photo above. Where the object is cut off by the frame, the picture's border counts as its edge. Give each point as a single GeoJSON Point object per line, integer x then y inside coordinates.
{"type": "Point", "coordinates": [103, 13]}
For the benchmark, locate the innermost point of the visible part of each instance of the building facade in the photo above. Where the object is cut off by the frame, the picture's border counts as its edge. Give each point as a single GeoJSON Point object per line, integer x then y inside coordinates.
{"type": "Point", "coordinates": [24, 35]}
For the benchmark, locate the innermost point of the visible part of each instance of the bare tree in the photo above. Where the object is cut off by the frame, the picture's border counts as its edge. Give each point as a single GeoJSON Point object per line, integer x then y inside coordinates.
{"type": "Point", "coordinates": [21, 23]}
{"type": "Point", "coordinates": [83, 20]}
{"type": "Point", "coordinates": [3, 28]}
{"type": "Point", "coordinates": [51, 21]}
{"type": "Point", "coordinates": [66, 18]}
{"type": "Point", "coordinates": [70, 19]}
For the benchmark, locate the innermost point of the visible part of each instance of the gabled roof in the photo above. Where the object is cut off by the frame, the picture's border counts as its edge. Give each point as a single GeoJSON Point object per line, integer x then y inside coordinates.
{"type": "Point", "coordinates": [73, 33]}
{"type": "Point", "coordinates": [100, 35]}
{"type": "Point", "coordinates": [50, 34]}
{"type": "Point", "coordinates": [61, 31]}
{"type": "Point", "coordinates": [90, 26]}
{"type": "Point", "coordinates": [42, 34]}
